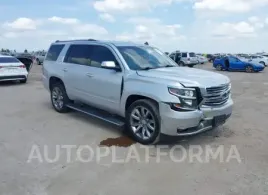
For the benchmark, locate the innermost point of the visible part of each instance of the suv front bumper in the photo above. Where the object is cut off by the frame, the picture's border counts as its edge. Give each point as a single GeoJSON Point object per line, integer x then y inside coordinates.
{"type": "Point", "coordinates": [175, 123]}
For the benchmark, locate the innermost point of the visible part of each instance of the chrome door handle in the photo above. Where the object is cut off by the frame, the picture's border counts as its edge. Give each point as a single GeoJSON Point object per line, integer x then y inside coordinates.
{"type": "Point", "coordinates": [89, 75]}
{"type": "Point", "coordinates": [65, 70]}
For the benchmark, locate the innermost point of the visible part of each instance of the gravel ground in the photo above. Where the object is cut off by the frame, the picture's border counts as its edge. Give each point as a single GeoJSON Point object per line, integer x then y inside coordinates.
{"type": "Point", "coordinates": [27, 119]}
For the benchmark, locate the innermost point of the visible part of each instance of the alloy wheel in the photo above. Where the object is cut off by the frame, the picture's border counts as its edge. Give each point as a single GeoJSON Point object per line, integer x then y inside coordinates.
{"type": "Point", "coordinates": [57, 98]}
{"type": "Point", "coordinates": [142, 122]}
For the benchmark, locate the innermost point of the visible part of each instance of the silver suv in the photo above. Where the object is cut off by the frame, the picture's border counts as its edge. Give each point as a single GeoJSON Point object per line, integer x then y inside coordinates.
{"type": "Point", "coordinates": [184, 58]}
{"type": "Point", "coordinates": [136, 86]}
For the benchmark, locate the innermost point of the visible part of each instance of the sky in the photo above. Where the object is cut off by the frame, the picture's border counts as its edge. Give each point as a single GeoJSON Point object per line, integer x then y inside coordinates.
{"type": "Point", "coordinates": [207, 26]}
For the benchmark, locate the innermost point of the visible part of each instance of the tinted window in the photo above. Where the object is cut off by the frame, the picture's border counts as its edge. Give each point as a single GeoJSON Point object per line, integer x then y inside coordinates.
{"type": "Point", "coordinates": [54, 52]}
{"type": "Point", "coordinates": [90, 55]}
{"type": "Point", "coordinates": [78, 54]}
{"type": "Point", "coordinates": [101, 54]}
{"type": "Point", "coordinates": [192, 54]}
{"type": "Point", "coordinates": [8, 60]}
{"type": "Point", "coordinates": [184, 55]}
{"type": "Point", "coordinates": [172, 56]}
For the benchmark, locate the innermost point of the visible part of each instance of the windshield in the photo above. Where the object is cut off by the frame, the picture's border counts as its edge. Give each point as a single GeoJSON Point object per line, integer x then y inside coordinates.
{"type": "Point", "coordinates": [139, 57]}
{"type": "Point", "coordinates": [8, 60]}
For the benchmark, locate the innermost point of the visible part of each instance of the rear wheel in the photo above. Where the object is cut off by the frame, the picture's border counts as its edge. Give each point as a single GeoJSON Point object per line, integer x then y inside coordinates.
{"type": "Point", "coordinates": [143, 121]}
{"type": "Point", "coordinates": [59, 98]}
{"type": "Point", "coordinates": [249, 69]}
{"type": "Point", "coordinates": [38, 61]}
{"type": "Point", "coordinates": [181, 64]}
{"type": "Point", "coordinates": [23, 81]}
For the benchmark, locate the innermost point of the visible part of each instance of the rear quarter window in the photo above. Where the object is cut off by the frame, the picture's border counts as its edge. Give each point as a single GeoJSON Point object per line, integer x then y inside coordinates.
{"type": "Point", "coordinates": [8, 60]}
{"type": "Point", "coordinates": [54, 52]}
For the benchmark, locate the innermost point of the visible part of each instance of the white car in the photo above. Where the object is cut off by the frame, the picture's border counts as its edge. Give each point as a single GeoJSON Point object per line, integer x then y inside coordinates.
{"type": "Point", "coordinates": [11, 69]}
{"type": "Point", "coordinates": [201, 59]}
{"type": "Point", "coordinates": [259, 59]}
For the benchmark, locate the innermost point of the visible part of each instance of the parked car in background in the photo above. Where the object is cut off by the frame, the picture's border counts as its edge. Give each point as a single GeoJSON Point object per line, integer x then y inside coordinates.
{"type": "Point", "coordinates": [259, 59]}
{"type": "Point", "coordinates": [11, 69]}
{"type": "Point", "coordinates": [201, 59]}
{"type": "Point", "coordinates": [28, 62]}
{"type": "Point", "coordinates": [39, 57]}
{"type": "Point", "coordinates": [28, 55]}
{"type": "Point", "coordinates": [106, 78]}
{"type": "Point", "coordinates": [210, 57]}
{"type": "Point", "coordinates": [232, 63]}
{"type": "Point", "coordinates": [184, 58]}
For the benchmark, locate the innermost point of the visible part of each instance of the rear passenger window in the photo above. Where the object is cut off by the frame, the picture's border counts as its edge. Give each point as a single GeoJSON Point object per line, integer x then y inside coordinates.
{"type": "Point", "coordinates": [79, 54]}
{"type": "Point", "coordinates": [54, 52]}
{"type": "Point", "coordinates": [184, 55]}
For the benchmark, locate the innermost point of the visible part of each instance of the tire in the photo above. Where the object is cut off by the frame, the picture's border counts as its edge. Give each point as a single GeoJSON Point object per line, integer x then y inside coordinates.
{"type": "Point", "coordinates": [249, 69]}
{"type": "Point", "coordinates": [38, 61]}
{"type": "Point", "coordinates": [59, 98]}
{"type": "Point", "coordinates": [23, 81]}
{"type": "Point", "coordinates": [181, 64]}
{"type": "Point", "coordinates": [219, 67]}
{"type": "Point", "coordinates": [147, 133]}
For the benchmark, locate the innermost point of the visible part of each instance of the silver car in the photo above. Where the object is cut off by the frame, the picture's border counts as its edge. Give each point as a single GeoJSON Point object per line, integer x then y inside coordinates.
{"type": "Point", "coordinates": [136, 86]}
{"type": "Point", "coordinates": [184, 58]}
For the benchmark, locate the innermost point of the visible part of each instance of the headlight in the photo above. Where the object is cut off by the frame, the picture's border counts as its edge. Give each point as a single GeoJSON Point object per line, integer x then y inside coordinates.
{"type": "Point", "coordinates": [187, 97]}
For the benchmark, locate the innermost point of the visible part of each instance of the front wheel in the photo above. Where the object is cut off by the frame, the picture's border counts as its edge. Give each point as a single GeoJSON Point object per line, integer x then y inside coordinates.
{"type": "Point", "coordinates": [59, 98]}
{"type": "Point", "coordinates": [249, 69]}
{"type": "Point", "coordinates": [143, 121]}
{"type": "Point", "coordinates": [219, 67]}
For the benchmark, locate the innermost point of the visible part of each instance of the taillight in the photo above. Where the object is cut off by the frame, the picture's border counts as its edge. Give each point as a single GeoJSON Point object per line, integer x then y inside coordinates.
{"type": "Point", "coordinates": [22, 66]}
{"type": "Point", "coordinates": [1, 67]}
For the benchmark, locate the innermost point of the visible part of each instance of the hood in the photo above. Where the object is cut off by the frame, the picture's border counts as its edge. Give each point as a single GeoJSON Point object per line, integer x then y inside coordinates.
{"type": "Point", "coordinates": [187, 76]}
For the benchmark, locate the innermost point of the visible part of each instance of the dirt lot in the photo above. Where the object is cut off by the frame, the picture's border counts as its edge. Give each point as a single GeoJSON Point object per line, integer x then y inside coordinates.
{"type": "Point", "coordinates": [27, 119]}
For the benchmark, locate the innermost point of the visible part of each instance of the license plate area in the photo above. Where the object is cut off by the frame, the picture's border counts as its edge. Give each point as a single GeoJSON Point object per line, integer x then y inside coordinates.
{"type": "Point", "coordinates": [219, 120]}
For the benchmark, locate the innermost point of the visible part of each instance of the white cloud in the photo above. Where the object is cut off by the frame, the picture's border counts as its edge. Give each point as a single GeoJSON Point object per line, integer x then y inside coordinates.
{"type": "Point", "coordinates": [39, 33]}
{"type": "Point", "coordinates": [22, 24]}
{"type": "Point", "coordinates": [253, 19]}
{"type": "Point", "coordinates": [129, 5]}
{"type": "Point", "coordinates": [154, 31]}
{"type": "Point", "coordinates": [234, 30]}
{"type": "Point", "coordinates": [107, 17]}
{"type": "Point", "coordinates": [64, 20]}
{"type": "Point", "coordinates": [229, 5]}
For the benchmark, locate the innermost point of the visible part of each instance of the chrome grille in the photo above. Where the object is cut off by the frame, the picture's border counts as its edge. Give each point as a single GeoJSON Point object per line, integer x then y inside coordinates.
{"type": "Point", "coordinates": [217, 96]}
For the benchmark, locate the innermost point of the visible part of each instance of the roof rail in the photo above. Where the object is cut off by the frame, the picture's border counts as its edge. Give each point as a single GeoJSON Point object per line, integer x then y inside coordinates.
{"type": "Point", "coordinates": [75, 40]}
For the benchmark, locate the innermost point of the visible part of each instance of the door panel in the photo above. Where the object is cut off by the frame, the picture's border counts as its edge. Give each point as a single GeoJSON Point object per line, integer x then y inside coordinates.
{"type": "Point", "coordinates": [103, 88]}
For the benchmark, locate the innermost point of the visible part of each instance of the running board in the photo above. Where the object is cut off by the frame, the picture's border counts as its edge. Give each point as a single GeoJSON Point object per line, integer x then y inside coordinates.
{"type": "Point", "coordinates": [93, 112]}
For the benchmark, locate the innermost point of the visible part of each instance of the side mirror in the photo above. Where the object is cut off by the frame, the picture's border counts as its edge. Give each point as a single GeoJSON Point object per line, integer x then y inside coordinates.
{"type": "Point", "coordinates": [110, 65]}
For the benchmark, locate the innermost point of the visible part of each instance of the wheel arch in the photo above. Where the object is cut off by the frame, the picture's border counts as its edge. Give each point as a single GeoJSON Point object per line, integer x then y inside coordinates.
{"type": "Point", "coordinates": [53, 80]}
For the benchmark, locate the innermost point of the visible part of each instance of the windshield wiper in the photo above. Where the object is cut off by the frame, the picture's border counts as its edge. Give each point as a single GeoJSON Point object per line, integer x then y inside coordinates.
{"type": "Point", "coordinates": [147, 68]}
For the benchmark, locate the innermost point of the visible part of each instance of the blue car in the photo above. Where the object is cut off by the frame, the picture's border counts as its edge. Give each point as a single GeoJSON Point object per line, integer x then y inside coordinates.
{"type": "Point", "coordinates": [232, 63]}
